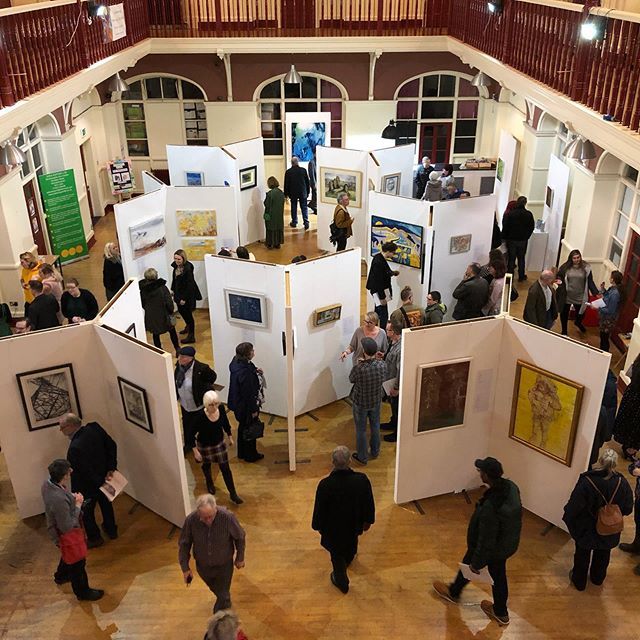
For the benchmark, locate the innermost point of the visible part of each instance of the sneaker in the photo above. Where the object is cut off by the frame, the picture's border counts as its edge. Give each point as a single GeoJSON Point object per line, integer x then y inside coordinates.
{"type": "Point", "coordinates": [92, 595]}
{"type": "Point", "coordinates": [97, 542]}
{"type": "Point", "coordinates": [343, 588]}
{"type": "Point", "coordinates": [443, 591]}
{"type": "Point", "coordinates": [487, 607]}
{"type": "Point", "coordinates": [390, 437]}
{"type": "Point", "coordinates": [356, 459]}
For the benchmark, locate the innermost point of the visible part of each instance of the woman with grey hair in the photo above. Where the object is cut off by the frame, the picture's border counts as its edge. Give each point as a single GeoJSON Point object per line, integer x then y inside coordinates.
{"type": "Point", "coordinates": [342, 222]}
{"type": "Point", "coordinates": [369, 329]}
{"type": "Point", "coordinates": [434, 191]}
{"type": "Point", "coordinates": [158, 308]}
{"type": "Point", "coordinates": [600, 486]}
{"type": "Point", "coordinates": [224, 625]}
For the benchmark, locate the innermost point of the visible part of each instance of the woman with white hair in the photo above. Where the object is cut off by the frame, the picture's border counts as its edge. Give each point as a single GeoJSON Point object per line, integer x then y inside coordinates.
{"type": "Point", "coordinates": [224, 625]}
{"type": "Point", "coordinates": [600, 486]}
{"type": "Point", "coordinates": [434, 191]}
{"type": "Point", "coordinates": [211, 447]}
{"type": "Point", "coordinates": [112, 271]}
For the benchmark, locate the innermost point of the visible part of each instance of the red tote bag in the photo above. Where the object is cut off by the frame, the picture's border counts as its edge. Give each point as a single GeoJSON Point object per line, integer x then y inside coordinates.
{"type": "Point", "coordinates": [73, 545]}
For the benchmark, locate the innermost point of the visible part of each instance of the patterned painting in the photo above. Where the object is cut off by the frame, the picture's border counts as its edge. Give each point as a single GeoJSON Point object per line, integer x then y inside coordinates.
{"type": "Point", "coordinates": [196, 222]}
{"type": "Point", "coordinates": [407, 236]}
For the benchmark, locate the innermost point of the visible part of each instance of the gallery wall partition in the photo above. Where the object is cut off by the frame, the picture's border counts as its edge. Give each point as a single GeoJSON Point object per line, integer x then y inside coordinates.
{"type": "Point", "coordinates": [150, 183]}
{"type": "Point", "coordinates": [554, 208]}
{"type": "Point", "coordinates": [304, 132]}
{"type": "Point", "coordinates": [342, 171]}
{"type": "Point", "coordinates": [462, 232]}
{"type": "Point", "coordinates": [404, 221]}
{"type": "Point", "coordinates": [394, 170]}
{"type": "Point", "coordinates": [124, 311]}
{"type": "Point", "coordinates": [325, 301]}
{"type": "Point", "coordinates": [200, 166]}
{"type": "Point", "coordinates": [506, 172]}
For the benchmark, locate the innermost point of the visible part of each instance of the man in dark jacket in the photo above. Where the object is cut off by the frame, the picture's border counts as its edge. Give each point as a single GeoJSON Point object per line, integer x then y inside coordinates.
{"type": "Point", "coordinates": [493, 536]}
{"type": "Point", "coordinates": [43, 311]}
{"type": "Point", "coordinates": [296, 188]}
{"type": "Point", "coordinates": [541, 308]}
{"type": "Point", "coordinates": [517, 228]}
{"type": "Point", "coordinates": [93, 457]}
{"type": "Point", "coordinates": [343, 510]}
{"type": "Point", "coordinates": [312, 170]}
{"type": "Point", "coordinates": [422, 177]}
{"type": "Point", "coordinates": [472, 294]}
{"type": "Point", "coordinates": [379, 281]}
{"type": "Point", "coordinates": [193, 379]}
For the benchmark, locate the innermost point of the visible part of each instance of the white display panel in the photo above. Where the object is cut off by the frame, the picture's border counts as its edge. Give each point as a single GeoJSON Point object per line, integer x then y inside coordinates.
{"type": "Point", "coordinates": [150, 183]}
{"type": "Point", "coordinates": [124, 311]}
{"type": "Point", "coordinates": [503, 189]}
{"type": "Point", "coordinates": [553, 216]}
{"type": "Point", "coordinates": [393, 161]}
{"type": "Point", "coordinates": [216, 166]}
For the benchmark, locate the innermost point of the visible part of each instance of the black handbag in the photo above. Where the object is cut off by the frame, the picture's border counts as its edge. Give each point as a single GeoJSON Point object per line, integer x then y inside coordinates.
{"type": "Point", "coordinates": [336, 233]}
{"type": "Point", "coordinates": [254, 430]}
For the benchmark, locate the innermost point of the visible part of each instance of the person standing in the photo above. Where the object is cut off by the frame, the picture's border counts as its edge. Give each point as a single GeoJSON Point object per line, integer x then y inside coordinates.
{"type": "Point", "coordinates": [433, 191]}
{"type": "Point", "coordinates": [613, 299]}
{"type": "Point", "coordinates": [343, 510]}
{"type": "Point", "coordinates": [343, 223]}
{"type": "Point", "coordinates": [634, 545]}
{"type": "Point", "coordinates": [312, 168]}
{"type": "Point", "coordinates": [493, 536]}
{"type": "Point", "coordinates": [78, 304]}
{"type": "Point", "coordinates": [379, 280]}
{"type": "Point", "coordinates": [626, 428]}
{"type": "Point", "coordinates": [496, 287]}
{"type": "Point", "coordinates": [596, 488]}
{"type": "Point", "coordinates": [422, 177]}
{"type": "Point", "coordinates": [274, 215]}
{"type": "Point", "coordinates": [575, 281]}
{"type": "Point", "coordinates": [43, 311]}
{"type": "Point", "coordinates": [517, 228]}
{"type": "Point", "coordinates": [112, 271]}
{"type": "Point", "coordinates": [52, 283]}
{"type": "Point", "coordinates": [408, 314]}
{"type": "Point", "coordinates": [541, 307]}
{"type": "Point", "coordinates": [435, 309]}
{"type": "Point", "coordinates": [392, 360]}
{"type": "Point", "coordinates": [193, 379]}
{"type": "Point", "coordinates": [30, 270]}
{"type": "Point", "coordinates": [93, 455]}
{"type": "Point", "coordinates": [472, 294]}
{"type": "Point", "coordinates": [185, 293]}
{"type": "Point", "coordinates": [217, 542]}
{"type": "Point", "coordinates": [446, 177]}
{"type": "Point", "coordinates": [296, 188]}
{"type": "Point", "coordinates": [245, 398]}
{"type": "Point", "coordinates": [366, 395]}
{"type": "Point", "coordinates": [62, 511]}
{"type": "Point", "coordinates": [158, 308]}
{"type": "Point", "coordinates": [370, 329]}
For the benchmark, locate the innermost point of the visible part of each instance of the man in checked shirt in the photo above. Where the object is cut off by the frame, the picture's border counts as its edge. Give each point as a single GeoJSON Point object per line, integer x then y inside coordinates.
{"type": "Point", "coordinates": [215, 535]}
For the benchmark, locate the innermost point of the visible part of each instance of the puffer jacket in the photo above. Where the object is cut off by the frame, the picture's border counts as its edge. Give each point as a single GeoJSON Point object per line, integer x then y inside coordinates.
{"type": "Point", "coordinates": [433, 191]}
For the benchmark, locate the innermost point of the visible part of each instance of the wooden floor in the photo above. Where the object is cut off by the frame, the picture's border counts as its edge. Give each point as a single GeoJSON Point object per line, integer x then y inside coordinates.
{"type": "Point", "coordinates": [284, 592]}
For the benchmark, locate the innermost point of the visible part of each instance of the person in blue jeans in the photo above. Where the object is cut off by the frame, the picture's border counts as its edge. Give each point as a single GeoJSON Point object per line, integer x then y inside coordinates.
{"type": "Point", "coordinates": [367, 377]}
{"type": "Point", "coordinates": [296, 188]}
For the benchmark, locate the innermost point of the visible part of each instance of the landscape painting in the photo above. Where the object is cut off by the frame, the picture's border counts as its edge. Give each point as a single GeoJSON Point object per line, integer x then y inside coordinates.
{"type": "Point", "coordinates": [197, 248]}
{"type": "Point", "coordinates": [305, 137]}
{"type": "Point", "coordinates": [326, 315]}
{"type": "Point", "coordinates": [407, 236]}
{"type": "Point", "coordinates": [147, 236]}
{"type": "Point", "coordinates": [196, 222]}
{"type": "Point", "coordinates": [335, 182]}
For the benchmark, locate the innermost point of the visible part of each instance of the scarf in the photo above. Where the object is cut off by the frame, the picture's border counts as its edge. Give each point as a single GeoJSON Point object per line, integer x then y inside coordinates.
{"type": "Point", "coordinates": [181, 372]}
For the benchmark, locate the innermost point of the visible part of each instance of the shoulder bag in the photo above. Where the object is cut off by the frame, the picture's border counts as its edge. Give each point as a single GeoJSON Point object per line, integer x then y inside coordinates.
{"type": "Point", "coordinates": [73, 545]}
{"type": "Point", "coordinates": [254, 430]}
{"type": "Point", "coordinates": [609, 519]}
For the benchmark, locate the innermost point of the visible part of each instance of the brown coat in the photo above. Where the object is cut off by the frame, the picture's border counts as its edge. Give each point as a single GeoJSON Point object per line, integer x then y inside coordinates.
{"type": "Point", "coordinates": [343, 220]}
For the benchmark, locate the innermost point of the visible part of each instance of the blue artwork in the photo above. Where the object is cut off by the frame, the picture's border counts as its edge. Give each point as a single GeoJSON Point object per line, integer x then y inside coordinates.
{"type": "Point", "coordinates": [247, 308]}
{"type": "Point", "coordinates": [194, 178]}
{"type": "Point", "coordinates": [407, 236]}
{"type": "Point", "coordinates": [305, 137]}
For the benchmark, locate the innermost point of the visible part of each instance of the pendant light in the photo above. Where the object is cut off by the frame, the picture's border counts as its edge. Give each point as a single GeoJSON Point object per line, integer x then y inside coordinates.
{"type": "Point", "coordinates": [293, 77]}
{"type": "Point", "coordinates": [567, 150]}
{"type": "Point", "coordinates": [390, 132]}
{"type": "Point", "coordinates": [116, 83]}
{"type": "Point", "coordinates": [11, 155]}
{"type": "Point", "coordinates": [481, 80]}
{"type": "Point", "coordinates": [588, 151]}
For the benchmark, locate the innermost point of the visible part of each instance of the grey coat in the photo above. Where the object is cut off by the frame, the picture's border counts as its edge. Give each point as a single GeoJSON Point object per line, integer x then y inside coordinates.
{"type": "Point", "coordinates": [433, 191]}
{"type": "Point", "coordinates": [60, 509]}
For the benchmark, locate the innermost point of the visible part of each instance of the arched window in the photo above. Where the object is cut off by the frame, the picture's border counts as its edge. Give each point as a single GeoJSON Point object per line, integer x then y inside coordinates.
{"type": "Point", "coordinates": [439, 112]}
{"type": "Point", "coordinates": [29, 141]}
{"type": "Point", "coordinates": [162, 89]}
{"type": "Point", "coordinates": [315, 93]}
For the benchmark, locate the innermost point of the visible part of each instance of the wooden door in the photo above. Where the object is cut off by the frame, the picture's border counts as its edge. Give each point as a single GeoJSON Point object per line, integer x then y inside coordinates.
{"type": "Point", "coordinates": [435, 142]}
{"type": "Point", "coordinates": [35, 219]}
{"type": "Point", "coordinates": [631, 285]}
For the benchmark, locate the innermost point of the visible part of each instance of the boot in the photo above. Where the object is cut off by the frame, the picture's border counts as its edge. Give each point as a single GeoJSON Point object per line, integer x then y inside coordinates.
{"type": "Point", "coordinates": [206, 472]}
{"type": "Point", "coordinates": [184, 331]}
{"type": "Point", "coordinates": [227, 476]}
{"type": "Point", "coordinates": [190, 339]}
{"type": "Point", "coordinates": [631, 547]}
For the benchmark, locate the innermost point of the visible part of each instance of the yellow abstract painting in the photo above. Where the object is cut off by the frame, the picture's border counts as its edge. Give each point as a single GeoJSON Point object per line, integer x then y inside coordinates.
{"type": "Point", "coordinates": [545, 411]}
{"type": "Point", "coordinates": [197, 249]}
{"type": "Point", "coordinates": [196, 222]}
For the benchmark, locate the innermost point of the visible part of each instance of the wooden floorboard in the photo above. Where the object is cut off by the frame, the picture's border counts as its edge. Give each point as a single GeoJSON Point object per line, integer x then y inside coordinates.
{"type": "Point", "coordinates": [284, 592]}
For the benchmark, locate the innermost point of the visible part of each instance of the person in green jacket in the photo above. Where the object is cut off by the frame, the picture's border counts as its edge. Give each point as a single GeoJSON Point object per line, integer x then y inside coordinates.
{"type": "Point", "coordinates": [274, 214]}
{"type": "Point", "coordinates": [435, 309]}
{"type": "Point", "coordinates": [493, 536]}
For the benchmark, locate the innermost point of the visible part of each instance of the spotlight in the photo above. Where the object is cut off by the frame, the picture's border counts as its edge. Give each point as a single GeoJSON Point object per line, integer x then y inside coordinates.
{"type": "Point", "coordinates": [495, 6]}
{"type": "Point", "coordinates": [293, 77]}
{"type": "Point", "coordinates": [390, 132]}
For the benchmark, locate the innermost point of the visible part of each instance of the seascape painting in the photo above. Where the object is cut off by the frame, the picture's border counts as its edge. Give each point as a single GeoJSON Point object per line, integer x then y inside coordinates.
{"type": "Point", "coordinates": [147, 236]}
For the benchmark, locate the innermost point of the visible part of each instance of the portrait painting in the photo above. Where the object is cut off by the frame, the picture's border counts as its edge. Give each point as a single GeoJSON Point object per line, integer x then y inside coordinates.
{"type": "Point", "coordinates": [460, 244]}
{"type": "Point", "coordinates": [194, 178]}
{"type": "Point", "coordinates": [305, 137]}
{"type": "Point", "coordinates": [441, 395]}
{"type": "Point", "coordinates": [326, 315]}
{"type": "Point", "coordinates": [135, 404]}
{"type": "Point", "coordinates": [335, 182]}
{"type": "Point", "coordinates": [197, 248]}
{"type": "Point", "coordinates": [408, 238]}
{"type": "Point", "coordinates": [197, 222]}
{"type": "Point", "coordinates": [545, 411]}
{"type": "Point", "coordinates": [391, 184]}
{"type": "Point", "coordinates": [500, 169]}
{"type": "Point", "coordinates": [47, 394]}
{"type": "Point", "coordinates": [248, 177]}
{"type": "Point", "coordinates": [244, 307]}
{"type": "Point", "coordinates": [147, 236]}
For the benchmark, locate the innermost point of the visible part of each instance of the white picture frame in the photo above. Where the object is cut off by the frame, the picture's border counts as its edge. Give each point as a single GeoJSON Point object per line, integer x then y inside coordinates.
{"type": "Point", "coordinates": [246, 308]}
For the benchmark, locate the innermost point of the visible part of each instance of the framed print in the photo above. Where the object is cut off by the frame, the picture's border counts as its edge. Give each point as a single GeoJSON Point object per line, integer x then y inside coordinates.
{"type": "Point", "coordinates": [407, 236]}
{"type": "Point", "coordinates": [47, 394]}
{"type": "Point", "coordinates": [500, 169]}
{"type": "Point", "coordinates": [248, 177]}
{"type": "Point", "coordinates": [193, 223]}
{"type": "Point", "coordinates": [305, 137]}
{"type": "Point", "coordinates": [545, 411]}
{"type": "Point", "coordinates": [391, 184]}
{"type": "Point", "coordinates": [548, 199]}
{"type": "Point", "coordinates": [441, 395]}
{"type": "Point", "coordinates": [147, 236]}
{"type": "Point", "coordinates": [326, 315]}
{"type": "Point", "coordinates": [197, 248]}
{"type": "Point", "coordinates": [194, 178]}
{"type": "Point", "coordinates": [135, 404]}
{"type": "Point", "coordinates": [460, 244]}
{"type": "Point", "coordinates": [334, 182]}
{"type": "Point", "coordinates": [244, 307]}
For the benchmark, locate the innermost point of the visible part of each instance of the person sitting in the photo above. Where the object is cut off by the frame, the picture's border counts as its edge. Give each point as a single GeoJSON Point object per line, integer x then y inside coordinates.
{"type": "Point", "coordinates": [452, 192]}
{"type": "Point", "coordinates": [78, 304]}
{"type": "Point", "coordinates": [43, 311]}
{"type": "Point", "coordinates": [434, 313]}
{"type": "Point", "coordinates": [244, 254]}
{"type": "Point", "coordinates": [224, 252]}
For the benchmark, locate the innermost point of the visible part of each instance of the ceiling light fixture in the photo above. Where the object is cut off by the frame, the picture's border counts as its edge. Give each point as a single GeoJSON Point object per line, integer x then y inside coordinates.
{"type": "Point", "coordinates": [117, 84]}
{"type": "Point", "coordinates": [390, 132]}
{"type": "Point", "coordinates": [293, 77]}
{"type": "Point", "coordinates": [481, 79]}
{"type": "Point", "coordinates": [11, 155]}
{"type": "Point", "coordinates": [495, 6]}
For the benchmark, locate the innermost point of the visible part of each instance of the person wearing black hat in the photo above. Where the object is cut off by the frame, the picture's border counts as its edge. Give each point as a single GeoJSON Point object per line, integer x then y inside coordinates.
{"type": "Point", "coordinates": [493, 536]}
{"type": "Point", "coordinates": [193, 379]}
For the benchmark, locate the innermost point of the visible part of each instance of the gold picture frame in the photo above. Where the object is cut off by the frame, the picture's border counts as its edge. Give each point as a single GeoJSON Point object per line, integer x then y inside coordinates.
{"type": "Point", "coordinates": [545, 411]}
{"type": "Point", "coordinates": [333, 182]}
{"type": "Point", "coordinates": [327, 315]}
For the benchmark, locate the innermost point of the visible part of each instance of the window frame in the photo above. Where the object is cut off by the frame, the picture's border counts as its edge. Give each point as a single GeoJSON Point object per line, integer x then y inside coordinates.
{"type": "Point", "coordinates": [632, 218]}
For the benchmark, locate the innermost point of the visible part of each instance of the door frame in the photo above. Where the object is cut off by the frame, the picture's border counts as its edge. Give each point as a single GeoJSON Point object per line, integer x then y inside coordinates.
{"type": "Point", "coordinates": [431, 152]}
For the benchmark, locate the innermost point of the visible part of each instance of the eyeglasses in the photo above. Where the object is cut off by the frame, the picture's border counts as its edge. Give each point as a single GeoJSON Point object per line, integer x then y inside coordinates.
{"type": "Point", "coordinates": [369, 322]}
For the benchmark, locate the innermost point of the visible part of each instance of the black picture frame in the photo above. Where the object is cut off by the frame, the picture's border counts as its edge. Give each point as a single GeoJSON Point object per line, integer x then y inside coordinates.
{"type": "Point", "coordinates": [129, 391]}
{"type": "Point", "coordinates": [250, 174]}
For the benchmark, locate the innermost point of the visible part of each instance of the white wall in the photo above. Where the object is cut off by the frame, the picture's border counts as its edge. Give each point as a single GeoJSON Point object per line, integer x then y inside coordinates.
{"type": "Point", "coordinates": [395, 160]}
{"type": "Point", "coordinates": [503, 190]}
{"type": "Point", "coordinates": [364, 121]}
{"type": "Point", "coordinates": [456, 218]}
{"type": "Point", "coordinates": [216, 165]}
{"type": "Point", "coordinates": [231, 121]}
{"type": "Point", "coordinates": [319, 376]}
{"type": "Point", "coordinates": [558, 180]}
{"type": "Point", "coordinates": [125, 309]}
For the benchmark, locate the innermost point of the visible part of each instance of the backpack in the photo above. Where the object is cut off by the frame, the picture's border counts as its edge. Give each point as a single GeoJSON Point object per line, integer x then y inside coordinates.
{"type": "Point", "coordinates": [609, 520]}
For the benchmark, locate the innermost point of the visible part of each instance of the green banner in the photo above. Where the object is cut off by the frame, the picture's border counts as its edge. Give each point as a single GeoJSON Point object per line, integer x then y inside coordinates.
{"type": "Point", "coordinates": [63, 215]}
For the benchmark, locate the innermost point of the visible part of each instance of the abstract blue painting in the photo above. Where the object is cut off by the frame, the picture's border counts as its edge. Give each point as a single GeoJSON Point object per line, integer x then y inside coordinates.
{"type": "Point", "coordinates": [407, 236]}
{"type": "Point", "coordinates": [305, 137]}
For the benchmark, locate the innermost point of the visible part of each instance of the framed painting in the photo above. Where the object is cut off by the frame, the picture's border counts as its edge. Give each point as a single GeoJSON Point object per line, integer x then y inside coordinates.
{"type": "Point", "coordinates": [335, 182]}
{"type": "Point", "coordinates": [548, 199]}
{"type": "Point", "coordinates": [326, 315]}
{"type": "Point", "coordinates": [248, 177]}
{"type": "Point", "coordinates": [460, 244]}
{"type": "Point", "coordinates": [135, 404]}
{"type": "Point", "coordinates": [47, 394]}
{"type": "Point", "coordinates": [408, 238]}
{"type": "Point", "coordinates": [193, 223]}
{"type": "Point", "coordinates": [194, 178]}
{"type": "Point", "coordinates": [244, 307]}
{"type": "Point", "coordinates": [197, 248]}
{"type": "Point", "coordinates": [305, 137]}
{"type": "Point", "coordinates": [391, 184]}
{"type": "Point", "coordinates": [500, 169]}
{"type": "Point", "coordinates": [545, 411]}
{"type": "Point", "coordinates": [147, 236]}
{"type": "Point", "coordinates": [441, 395]}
